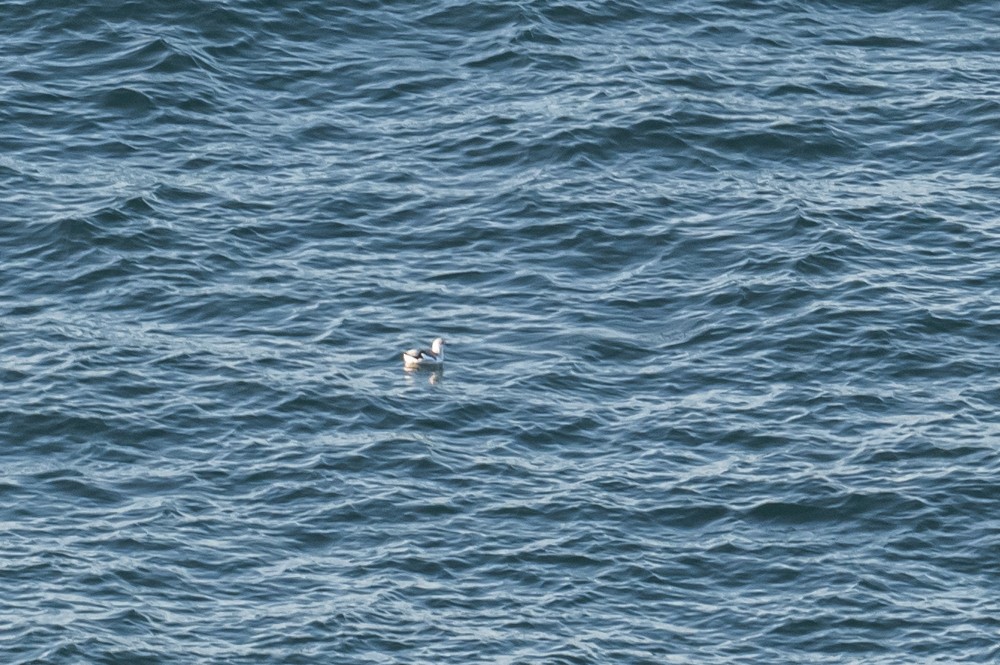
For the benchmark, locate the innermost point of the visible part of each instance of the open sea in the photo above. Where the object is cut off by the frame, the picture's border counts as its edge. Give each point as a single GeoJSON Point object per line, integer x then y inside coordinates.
{"type": "Point", "coordinates": [719, 280]}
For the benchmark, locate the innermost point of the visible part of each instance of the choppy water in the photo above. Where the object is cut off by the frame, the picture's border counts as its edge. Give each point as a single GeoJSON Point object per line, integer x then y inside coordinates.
{"type": "Point", "coordinates": [720, 285]}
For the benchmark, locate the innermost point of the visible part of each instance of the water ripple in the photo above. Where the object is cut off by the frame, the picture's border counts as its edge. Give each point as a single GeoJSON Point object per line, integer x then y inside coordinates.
{"type": "Point", "coordinates": [717, 281]}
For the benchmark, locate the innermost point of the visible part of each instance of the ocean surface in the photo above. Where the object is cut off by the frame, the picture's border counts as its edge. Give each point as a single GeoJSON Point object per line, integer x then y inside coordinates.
{"type": "Point", "coordinates": [720, 283]}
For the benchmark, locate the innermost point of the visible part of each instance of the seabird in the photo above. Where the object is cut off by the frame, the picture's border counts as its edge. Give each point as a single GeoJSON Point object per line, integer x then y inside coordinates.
{"type": "Point", "coordinates": [432, 357]}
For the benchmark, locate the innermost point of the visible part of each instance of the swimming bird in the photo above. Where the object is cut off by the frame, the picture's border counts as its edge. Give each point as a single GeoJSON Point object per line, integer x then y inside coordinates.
{"type": "Point", "coordinates": [432, 357]}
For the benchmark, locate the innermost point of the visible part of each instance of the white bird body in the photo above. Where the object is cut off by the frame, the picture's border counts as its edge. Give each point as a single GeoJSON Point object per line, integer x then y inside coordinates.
{"type": "Point", "coordinates": [432, 357]}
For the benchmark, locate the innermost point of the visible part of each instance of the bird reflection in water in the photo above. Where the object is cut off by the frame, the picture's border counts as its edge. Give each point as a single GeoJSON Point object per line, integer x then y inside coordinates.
{"type": "Point", "coordinates": [433, 375]}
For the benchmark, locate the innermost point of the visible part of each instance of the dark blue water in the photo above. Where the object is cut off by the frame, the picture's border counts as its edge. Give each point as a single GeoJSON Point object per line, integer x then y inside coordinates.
{"type": "Point", "coordinates": [720, 282]}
